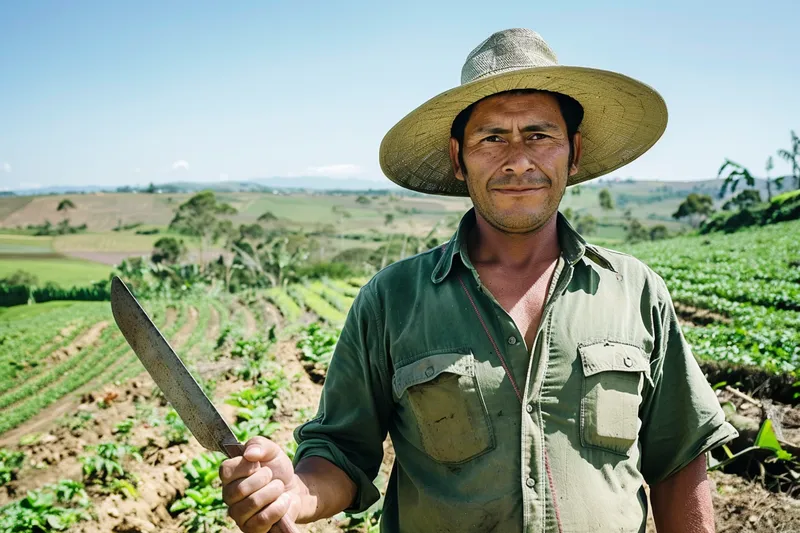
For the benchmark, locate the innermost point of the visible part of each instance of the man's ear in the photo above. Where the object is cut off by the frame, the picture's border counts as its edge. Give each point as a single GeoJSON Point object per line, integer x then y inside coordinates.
{"type": "Point", "coordinates": [576, 154]}
{"type": "Point", "coordinates": [454, 159]}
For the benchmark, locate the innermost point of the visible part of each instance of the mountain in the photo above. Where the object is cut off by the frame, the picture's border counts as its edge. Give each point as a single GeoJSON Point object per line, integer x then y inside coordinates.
{"type": "Point", "coordinates": [321, 183]}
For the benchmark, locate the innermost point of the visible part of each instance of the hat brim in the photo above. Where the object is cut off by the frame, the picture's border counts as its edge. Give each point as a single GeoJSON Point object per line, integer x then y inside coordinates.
{"type": "Point", "coordinates": [622, 119]}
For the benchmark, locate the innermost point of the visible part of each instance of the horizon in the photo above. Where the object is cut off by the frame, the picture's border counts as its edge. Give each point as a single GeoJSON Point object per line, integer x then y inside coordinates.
{"type": "Point", "coordinates": [112, 95]}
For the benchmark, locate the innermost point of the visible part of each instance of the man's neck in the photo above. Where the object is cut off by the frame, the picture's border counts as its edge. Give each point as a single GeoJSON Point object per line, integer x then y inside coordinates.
{"type": "Point", "coordinates": [512, 252]}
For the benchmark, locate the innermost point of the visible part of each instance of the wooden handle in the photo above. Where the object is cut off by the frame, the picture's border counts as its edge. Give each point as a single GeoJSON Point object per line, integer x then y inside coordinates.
{"type": "Point", "coordinates": [284, 525]}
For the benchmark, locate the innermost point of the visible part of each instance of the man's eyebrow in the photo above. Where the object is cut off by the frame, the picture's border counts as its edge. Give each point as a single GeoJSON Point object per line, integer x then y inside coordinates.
{"type": "Point", "coordinates": [537, 126]}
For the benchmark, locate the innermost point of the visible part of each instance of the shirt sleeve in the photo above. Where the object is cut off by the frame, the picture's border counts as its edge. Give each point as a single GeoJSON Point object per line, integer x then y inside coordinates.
{"type": "Point", "coordinates": [682, 418]}
{"type": "Point", "coordinates": [352, 419]}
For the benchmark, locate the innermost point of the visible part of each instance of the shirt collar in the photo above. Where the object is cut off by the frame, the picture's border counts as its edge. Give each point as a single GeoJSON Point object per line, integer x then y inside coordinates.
{"type": "Point", "coordinates": [573, 246]}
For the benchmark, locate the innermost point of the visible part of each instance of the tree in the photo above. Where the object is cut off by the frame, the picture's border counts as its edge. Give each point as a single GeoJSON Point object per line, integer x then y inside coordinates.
{"type": "Point", "coordinates": [20, 277]}
{"type": "Point", "coordinates": [388, 219]}
{"type": "Point", "coordinates": [363, 200]}
{"type": "Point", "coordinates": [576, 190]}
{"type": "Point", "coordinates": [64, 206]}
{"type": "Point", "coordinates": [606, 201]}
{"type": "Point", "coordinates": [659, 232]}
{"type": "Point", "coordinates": [792, 156]}
{"type": "Point", "coordinates": [696, 207]}
{"type": "Point", "coordinates": [586, 224]}
{"type": "Point", "coordinates": [266, 217]}
{"type": "Point", "coordinates": [568, 213]}
{"type": "Point", "coordinates": [778, 181]}
{"type": "Point", "coordinates": [744, 200]}
{"type": "Point", "coordinates": [198, 217]}
{"type": "Point", "coordinates": [736, 173]}
{"type": "Point", "coordinates": [636, 232]}
{"type": "Point", "coordinates": [168, 251]}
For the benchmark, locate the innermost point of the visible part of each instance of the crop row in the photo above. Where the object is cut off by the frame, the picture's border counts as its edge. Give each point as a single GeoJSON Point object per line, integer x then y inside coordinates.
{"type": "Point", "coordinates": [752, 278]}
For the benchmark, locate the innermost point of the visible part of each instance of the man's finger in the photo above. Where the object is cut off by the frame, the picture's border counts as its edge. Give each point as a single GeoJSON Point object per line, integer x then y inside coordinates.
{"type": "Point", "coordinates": [261, 449]}
{"type": "Point", "coordinates": [236, 468]}
{"type": "Point", "coordinates": [239, 489]}
{"type": "Point", "coordinates": [262, 521]}
{"type": "Point", "coordinates": [259, 500]}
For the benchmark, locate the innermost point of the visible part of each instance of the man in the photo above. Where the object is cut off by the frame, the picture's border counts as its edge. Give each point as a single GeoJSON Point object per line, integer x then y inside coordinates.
{"type": "Point", "coordinates": [529, 381]}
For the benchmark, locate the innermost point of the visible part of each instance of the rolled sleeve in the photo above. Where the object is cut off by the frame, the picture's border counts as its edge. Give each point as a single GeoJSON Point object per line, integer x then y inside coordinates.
{"type": "Point", "coordinates": [682, 416]}
{"type": "Point", "coordinates": [352, 418]}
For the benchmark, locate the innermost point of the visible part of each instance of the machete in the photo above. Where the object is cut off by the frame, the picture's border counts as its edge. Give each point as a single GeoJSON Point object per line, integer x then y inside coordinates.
{"type": "Point", "coordinates": [175, 381]}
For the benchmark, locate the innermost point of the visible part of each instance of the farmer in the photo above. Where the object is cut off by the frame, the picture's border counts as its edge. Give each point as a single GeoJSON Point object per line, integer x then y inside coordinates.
{"type": "Point", "coordinates": [529, 381]}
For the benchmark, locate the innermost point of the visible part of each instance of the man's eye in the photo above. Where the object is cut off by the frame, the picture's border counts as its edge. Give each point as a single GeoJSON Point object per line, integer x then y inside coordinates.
{"type": "Point", "coordinates": [493, 138]}
{"type": "Point", "coordinates": [538, 136]}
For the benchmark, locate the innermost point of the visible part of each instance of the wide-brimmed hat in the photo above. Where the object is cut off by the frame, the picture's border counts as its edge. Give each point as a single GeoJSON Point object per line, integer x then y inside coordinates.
{"type": "Point", "coordinates": [622, 118]}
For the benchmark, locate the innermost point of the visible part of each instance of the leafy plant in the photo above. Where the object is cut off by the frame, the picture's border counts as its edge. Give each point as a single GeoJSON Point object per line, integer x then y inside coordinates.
{"type": "Point", "coordinates": [175, 430]}
{"type": "Point", "coordinates": [77, 421]}
{"type": "Point", "coordinates": [104, 466]}
{"type": "Point", "coordinates": [124, 428]}
{"type": "Point", "coordinates": [318, 343]}
{"type": "Point", "coordinates": [10, 463]}
{"type": "Point", "coordinates": [202, 504]}
{"type": "Point", "coordinates": [38, 512]}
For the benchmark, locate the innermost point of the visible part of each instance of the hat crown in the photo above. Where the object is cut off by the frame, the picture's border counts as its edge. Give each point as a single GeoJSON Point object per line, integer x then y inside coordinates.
{"type": "Point", "coordinates": [507, 50]}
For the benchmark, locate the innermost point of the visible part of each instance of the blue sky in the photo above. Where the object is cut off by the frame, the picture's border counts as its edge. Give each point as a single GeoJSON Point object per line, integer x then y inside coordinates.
{"type": "Point", "coordinates": [131, 92]}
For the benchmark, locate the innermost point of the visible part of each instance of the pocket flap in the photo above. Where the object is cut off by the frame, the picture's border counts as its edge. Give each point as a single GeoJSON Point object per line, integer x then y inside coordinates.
{"type": "Point", "coordinates": [428, 368]}
{"type": "Point", "coordinates": [607, 355]}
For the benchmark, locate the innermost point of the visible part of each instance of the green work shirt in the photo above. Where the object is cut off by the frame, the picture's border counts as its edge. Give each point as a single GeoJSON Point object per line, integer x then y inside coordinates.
{"type": "Point", "coordinates": [612, 397]}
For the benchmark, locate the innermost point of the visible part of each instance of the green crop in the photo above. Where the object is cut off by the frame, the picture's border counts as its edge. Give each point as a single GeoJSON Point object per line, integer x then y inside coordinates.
{"type": "Point", "coordinates": [175, 430]}
{"type": "Point", "coordinates": [10, 463]}
{"type": "Point", "coordinates": [202, 507]}
{"type": "Point", "coordinates": [54, 507]}
{"type": "Point", "coordinates": [103, 464]}
{"type": "Point", "coordinates": [317, 344]}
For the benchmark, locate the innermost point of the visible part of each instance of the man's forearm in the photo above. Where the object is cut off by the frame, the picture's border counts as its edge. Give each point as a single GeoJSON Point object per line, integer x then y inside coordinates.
{"type": "Point", "coordinates": [324, 489]}
{"type": "Point", "coordinates": [682, 502]}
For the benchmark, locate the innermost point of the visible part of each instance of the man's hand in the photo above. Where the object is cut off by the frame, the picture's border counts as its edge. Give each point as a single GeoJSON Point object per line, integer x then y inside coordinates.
{"type": "Point", "coordinates": [260, 487]}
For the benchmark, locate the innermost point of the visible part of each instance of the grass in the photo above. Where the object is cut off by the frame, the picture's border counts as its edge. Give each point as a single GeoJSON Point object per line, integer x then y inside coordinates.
{"type": "Point", "coordinates": [113, 242]}
{"type": "Point", "coordinates": [25, 244]}
{"type": "Point", "coordinates": [65, 272]}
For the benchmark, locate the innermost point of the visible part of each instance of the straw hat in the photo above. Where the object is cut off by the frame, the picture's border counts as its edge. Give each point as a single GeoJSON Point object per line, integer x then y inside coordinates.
{"type": "Point", "coordinates": [622, 119]}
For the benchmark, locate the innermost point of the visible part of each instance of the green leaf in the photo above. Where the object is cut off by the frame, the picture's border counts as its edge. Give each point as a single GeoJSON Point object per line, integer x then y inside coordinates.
{"type": "Point", "coordinates": [766, 437]}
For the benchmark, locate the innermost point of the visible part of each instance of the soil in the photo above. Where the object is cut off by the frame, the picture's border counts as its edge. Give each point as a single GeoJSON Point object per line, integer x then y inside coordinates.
{"type": "Point", "coordinates": [740, 505]}
{"type": "Point", "coordinates": [697, 316]}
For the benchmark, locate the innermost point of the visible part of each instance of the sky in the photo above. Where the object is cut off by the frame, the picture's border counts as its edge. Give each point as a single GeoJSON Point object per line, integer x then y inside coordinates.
{"type": "Point", "coordinates": [116, 93]}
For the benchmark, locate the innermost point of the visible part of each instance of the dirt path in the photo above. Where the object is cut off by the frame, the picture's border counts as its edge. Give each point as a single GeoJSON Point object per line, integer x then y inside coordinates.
{"type": "Point", "coordinates": [212, 332]}
{"type": "Point", "coordinates": [186, 330]}
{"type": "Point", "coordinates": [272, 314]}
{"type": "Point", "coordinates": [250, 324]}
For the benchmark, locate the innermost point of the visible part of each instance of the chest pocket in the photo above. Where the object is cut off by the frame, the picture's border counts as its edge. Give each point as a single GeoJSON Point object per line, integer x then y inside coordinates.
{"type": "Point", "coordinates": [613, 378]}
{"type": "Point", "coordinates": [443, 394]}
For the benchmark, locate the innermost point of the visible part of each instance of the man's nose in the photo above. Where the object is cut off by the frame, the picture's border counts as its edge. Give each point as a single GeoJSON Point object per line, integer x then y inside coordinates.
{"type": "Point", "coordinates": [520, 160]}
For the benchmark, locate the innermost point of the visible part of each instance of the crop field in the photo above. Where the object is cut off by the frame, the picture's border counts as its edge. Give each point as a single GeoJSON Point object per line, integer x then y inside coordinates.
{"type": "Point", "coordinates": [88, 443]}
{"type": "Point", "coordinates": [746, 286]}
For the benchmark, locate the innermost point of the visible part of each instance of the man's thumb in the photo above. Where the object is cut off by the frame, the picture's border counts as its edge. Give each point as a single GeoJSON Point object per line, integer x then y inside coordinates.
{"type": "Point", "coordinates": [259, 449]}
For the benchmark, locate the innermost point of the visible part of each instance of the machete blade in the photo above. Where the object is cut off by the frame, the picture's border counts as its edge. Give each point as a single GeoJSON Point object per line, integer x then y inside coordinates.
{"type": "Point", "coordinates": [170, 374]}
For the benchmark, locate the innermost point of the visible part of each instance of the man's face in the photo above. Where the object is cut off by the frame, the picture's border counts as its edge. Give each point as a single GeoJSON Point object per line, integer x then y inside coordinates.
{"type": "Point", "coordinates": [516, 154]}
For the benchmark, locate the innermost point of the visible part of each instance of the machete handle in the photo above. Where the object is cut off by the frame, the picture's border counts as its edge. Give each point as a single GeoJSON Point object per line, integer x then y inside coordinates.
{"type": "Point", "coordinates": [284, 525]}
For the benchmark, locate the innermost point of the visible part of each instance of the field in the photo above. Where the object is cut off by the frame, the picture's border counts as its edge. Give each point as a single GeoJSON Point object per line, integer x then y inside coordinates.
{"type": "Point", "coordinates": [87, 441]}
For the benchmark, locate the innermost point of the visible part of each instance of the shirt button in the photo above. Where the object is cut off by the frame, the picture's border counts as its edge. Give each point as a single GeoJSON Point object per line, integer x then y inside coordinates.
{"type": "Point", "coordinates": [512, 340]}
{"type": "Point", "coordinates": [529, 408]}
{"type": "Point", "coordinates": [429, 371]}
{"type": "Point", "coordinates": [530, 483]}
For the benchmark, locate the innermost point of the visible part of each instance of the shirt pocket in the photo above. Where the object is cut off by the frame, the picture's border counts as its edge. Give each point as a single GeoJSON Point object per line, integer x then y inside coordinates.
{"type": "Point", "coordinates": [613, 378]}
{"type": "Point", "coordinates": [443, 393]}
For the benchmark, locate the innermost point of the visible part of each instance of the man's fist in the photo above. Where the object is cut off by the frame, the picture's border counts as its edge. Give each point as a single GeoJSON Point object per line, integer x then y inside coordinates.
{"type": "Point", "coordinates": [257, 486]}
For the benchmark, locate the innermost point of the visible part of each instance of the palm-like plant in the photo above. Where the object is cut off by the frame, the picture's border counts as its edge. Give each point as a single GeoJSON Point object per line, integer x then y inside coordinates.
{"type": "Point", "coordinates": [792, 156]}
